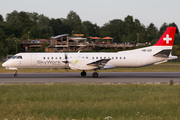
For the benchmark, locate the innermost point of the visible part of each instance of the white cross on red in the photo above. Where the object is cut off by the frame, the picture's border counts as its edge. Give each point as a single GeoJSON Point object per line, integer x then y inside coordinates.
{"type": "Point", "coordinates": [167, 38]}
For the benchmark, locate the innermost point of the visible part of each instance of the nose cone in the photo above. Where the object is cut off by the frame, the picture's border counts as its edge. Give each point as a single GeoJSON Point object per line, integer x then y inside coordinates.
{"type": "Point", "coordinates": [5, 64]}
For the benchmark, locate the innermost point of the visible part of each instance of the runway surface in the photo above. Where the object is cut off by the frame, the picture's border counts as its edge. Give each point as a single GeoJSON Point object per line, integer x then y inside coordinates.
{"type": "Point", "coordinates": [112, 77]}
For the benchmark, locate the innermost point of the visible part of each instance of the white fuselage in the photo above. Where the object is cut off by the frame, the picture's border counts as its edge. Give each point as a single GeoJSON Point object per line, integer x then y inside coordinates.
{"type": "Point", "coordinates": [133, 58]}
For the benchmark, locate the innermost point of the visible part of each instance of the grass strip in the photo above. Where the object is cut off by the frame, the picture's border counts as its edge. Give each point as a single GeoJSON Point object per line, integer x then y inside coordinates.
{"type": "Point", "coordinates": [89, 101]}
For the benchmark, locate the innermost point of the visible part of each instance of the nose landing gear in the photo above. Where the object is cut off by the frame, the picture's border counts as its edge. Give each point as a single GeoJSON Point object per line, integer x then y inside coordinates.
{"type": "Point", "coordinates": [15, 74]}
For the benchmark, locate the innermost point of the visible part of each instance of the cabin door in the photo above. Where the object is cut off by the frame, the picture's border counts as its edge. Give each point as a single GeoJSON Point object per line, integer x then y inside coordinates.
{"type": "Point", "coordinates": [33, 60]}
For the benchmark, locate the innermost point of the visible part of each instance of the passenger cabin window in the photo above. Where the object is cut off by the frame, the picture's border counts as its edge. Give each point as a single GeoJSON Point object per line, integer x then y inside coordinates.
{"type": "Point", "coordinates": [96, 57]}
{"type": "Point", "coordinates": [116, 57]}
{"type": "Point", "coordinates": [92, 57]}
{"type": "Point", "coordinates": [44, 58]}
{"type": "Point", "coordinates": [100, 57]}
{"type": "Point", "coordinates": [112, 57]}
{"type": "Point", "coordinates": [51, 57]}
{"type": "Point", "coordinates": [56, 57]}
{"type": "Point", "coordinates": [119, 57]}
{"type": "Point", "coordinates": [48, 58]}
{"type": "Point", "coordinates": [86, 57]}
{"type": "Point", "coordinates": [59, 57]}
{"type": "Point", "coordinates": [19, 57]}
{"type": "Point", "coordinates": [124, 57]}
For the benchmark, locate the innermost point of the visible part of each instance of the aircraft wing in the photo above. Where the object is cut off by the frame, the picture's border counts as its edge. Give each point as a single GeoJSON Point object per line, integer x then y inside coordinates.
{"type": "Point", "coordinates": [99, 63]}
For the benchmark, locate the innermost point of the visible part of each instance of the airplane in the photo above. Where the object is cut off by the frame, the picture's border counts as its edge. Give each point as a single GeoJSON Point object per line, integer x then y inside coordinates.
{"type": "Point", "coordinates": [158, 53]}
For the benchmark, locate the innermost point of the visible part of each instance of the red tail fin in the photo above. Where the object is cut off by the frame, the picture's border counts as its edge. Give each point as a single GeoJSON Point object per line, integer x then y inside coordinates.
{"type": "Point", "coordinates": [167, 38]}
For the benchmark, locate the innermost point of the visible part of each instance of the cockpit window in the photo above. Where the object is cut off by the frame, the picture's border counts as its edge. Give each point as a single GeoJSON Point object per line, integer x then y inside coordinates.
{"type": "Point", "coordinates": [14, 57]}
{"type": "Point", "coordinates": [19, 57]}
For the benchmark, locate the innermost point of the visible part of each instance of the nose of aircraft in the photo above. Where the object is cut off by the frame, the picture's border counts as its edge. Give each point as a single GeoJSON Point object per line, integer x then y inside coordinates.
{"type": "Point", "coordinates": [5, 64]}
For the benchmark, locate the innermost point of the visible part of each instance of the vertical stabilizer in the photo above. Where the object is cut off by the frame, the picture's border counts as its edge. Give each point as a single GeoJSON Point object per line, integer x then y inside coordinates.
{"type": "Point", "coordinates": [167, 38]}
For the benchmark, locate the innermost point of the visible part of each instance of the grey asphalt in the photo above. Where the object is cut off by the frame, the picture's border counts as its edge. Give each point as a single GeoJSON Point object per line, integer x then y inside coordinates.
{"type": "Point", "coordinates": [104, 77]}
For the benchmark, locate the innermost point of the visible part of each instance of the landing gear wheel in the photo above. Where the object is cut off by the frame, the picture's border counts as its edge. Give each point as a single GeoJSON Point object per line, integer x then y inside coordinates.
{"type": "Point", "coordinates": [83, 73]}
{"type": "Point", "coordinates": [95, 74]}
{"type": "Point", "coordinates": [15, 74]}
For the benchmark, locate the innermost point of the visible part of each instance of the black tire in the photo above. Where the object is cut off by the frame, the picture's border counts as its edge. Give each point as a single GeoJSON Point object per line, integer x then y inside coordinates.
{"type": "Point", "coordinates": [15, 75]}
{"type": "Point", "coordinates": [83, 74]}
{"type": "Point", "coordinates": [95, 74]}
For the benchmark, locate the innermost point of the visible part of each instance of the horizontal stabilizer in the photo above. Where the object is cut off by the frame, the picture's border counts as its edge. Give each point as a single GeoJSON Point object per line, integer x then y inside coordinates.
{"type": "Point", "coordinates": [163, 53]}
{"type": "Point", "coordinates": [172, 57]}
{"type": "Point", "coordinates": [99, 63]}
{"type": "Point", "coordinates": [160, 62]}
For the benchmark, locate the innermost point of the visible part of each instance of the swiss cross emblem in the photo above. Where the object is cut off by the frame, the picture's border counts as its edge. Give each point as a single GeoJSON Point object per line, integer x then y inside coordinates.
{"type": "Point", "coordinates": [167, 38]}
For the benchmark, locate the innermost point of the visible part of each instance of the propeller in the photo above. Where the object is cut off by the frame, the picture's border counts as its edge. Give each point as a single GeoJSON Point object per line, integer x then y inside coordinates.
{"type": "Point", "coordinates": [65, 60]}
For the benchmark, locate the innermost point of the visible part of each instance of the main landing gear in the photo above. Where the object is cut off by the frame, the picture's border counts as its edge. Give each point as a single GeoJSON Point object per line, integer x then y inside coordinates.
{"type": "Point", "coordinates": [95, 74]}
{"type": "Point", "coordinates": [15, 74]}
{"type": "Point", "coordinates": [83, 73]}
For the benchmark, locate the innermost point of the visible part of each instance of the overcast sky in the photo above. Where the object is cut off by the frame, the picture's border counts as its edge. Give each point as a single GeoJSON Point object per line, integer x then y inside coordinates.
{"type": "Point", "coordinates": [100, 11]}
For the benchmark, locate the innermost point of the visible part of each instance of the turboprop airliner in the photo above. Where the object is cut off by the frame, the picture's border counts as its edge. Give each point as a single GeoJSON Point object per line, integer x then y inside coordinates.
{"type": "Point", "coordinates": [158, 53]}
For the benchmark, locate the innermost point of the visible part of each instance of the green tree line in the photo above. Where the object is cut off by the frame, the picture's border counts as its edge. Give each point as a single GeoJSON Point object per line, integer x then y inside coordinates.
{"type": "Point", "coordinates": [18, 26]}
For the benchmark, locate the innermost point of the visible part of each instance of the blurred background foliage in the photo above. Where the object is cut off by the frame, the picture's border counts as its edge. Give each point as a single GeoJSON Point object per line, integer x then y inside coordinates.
{"type": "Point", "coordinates": [18, 26]}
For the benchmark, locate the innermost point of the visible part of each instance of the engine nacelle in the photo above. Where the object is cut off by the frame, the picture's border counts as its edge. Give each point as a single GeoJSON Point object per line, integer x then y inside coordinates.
{"type": "Point", "coordinates": [80, 64]}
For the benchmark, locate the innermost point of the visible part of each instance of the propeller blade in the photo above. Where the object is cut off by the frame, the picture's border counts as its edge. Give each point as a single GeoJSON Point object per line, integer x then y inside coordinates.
{"type": "Point", "coordinates": [65, 60]}
{"type": "Point", "coordinates": [65, 56]}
